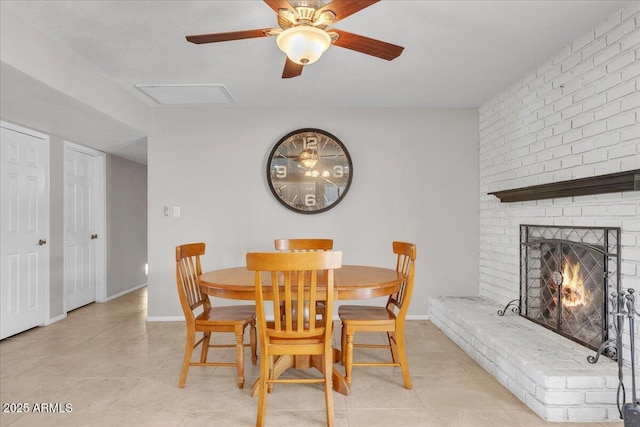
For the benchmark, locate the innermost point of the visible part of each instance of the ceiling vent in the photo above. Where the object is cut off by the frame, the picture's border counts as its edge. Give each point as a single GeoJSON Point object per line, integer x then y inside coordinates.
{"type": "Point", "coordinates": [208, 94]}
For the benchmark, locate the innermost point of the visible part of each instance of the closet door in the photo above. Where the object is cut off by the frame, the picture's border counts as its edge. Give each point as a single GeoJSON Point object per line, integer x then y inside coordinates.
{"type": "Point", "coordinates": [24, 228]}
{"type": "Point", "coordinates": [81, 233]}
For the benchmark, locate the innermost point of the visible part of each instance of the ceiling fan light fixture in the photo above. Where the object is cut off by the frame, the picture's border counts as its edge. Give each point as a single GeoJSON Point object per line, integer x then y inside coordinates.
{"type": "Point", "coordinates": [303, 44]}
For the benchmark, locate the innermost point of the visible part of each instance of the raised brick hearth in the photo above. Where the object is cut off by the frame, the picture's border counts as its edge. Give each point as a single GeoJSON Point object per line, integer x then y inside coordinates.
{"type": "Point", "coordinates": [548, 372]}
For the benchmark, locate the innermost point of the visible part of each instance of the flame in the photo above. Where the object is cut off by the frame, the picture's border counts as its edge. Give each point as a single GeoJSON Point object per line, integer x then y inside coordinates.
{"type": "Point", "coordinates": [573, 290]}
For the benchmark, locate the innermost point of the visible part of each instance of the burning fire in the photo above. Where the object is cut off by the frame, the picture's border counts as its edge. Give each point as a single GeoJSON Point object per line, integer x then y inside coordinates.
{"type": "Point", "coordinates": [573, 290]}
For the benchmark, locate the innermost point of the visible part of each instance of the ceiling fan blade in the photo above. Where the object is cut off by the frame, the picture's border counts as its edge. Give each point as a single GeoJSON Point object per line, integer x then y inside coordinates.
{"type": "Point", "coordinates": [344, 8]}
{"type": "Point", "coordinates": [278, 4]}
{"type": "Point", "coordinates": [367, 45]}
{"type": "Point", "coordinates": [233, 35]}
{"type": "Point", "coordinates": [291, 69]}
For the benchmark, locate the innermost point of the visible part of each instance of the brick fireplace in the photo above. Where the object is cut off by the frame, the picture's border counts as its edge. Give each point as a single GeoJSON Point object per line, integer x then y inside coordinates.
{"type": "Point", "coordinates": [575, 116]}
{"type": "Point", "coordinates": [548, 355]}
{"type": "Point", "coordinates": [566, 275]}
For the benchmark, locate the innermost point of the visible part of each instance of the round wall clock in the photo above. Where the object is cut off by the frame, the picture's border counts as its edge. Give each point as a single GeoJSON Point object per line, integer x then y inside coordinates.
{"type": "Point", "coordinates": [309, 171]}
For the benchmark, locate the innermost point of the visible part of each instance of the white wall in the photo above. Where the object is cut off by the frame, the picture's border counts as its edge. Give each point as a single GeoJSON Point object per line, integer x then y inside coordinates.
{"type": "Point", "coordinates": [126, 225]}
{"type": "Point", "coordinates": [577, 115]}
{"type": "Point", "coordinates": [56, 227]}
{"type": "Point", "coordinates": [415, 179]}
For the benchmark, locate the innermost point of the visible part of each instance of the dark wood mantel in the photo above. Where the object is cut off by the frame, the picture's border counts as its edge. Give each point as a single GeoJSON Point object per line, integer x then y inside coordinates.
{"type": "Point", "coordinates": [610, 183]}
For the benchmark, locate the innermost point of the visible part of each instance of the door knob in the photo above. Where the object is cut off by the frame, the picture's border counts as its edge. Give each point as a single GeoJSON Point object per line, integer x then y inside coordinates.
{"type": "Point", "coordinates": [42, 242]}
{"type": "Point", "coordinates": [94, 236]}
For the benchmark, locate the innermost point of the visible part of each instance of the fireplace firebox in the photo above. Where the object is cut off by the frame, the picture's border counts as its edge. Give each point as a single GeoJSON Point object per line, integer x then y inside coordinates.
{"type": "Point", "coordinates": [566, 275]}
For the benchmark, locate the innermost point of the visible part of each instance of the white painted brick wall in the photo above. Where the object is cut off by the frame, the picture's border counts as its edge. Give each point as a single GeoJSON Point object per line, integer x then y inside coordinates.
{"type": "Point", "coordinates": [586, 414]}
{"type": "Point", "coordinates": [577, 115]}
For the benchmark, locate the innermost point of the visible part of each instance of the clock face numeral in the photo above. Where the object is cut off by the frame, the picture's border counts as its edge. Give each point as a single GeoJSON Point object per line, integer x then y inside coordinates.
{"type": "Point", "coordinates": [310, 200]}
{"type": "Point", "coordinates": [309, 171]}
{"type": "Point", "coordinates": [281, 171]}
{"type": "Point", "coordinates": [310, 143]}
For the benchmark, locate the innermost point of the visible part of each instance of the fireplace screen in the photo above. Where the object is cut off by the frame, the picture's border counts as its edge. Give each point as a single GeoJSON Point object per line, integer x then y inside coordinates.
{"type": "Point", "coordinates": [566, 275]}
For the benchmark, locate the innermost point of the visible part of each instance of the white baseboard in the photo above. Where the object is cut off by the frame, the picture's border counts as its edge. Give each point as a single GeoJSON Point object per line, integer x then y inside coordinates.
{"type": "Point", "coordinates": [135, 288]}
{"type": "Point", "coordinates": [55, 319]}
{"type": "Point", "coordinates": [165, 319]}
{"type": "Point", "coordinates": [417, 317]}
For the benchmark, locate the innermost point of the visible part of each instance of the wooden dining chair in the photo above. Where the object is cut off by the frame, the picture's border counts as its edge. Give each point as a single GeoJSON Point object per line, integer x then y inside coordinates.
{"type": "Point", "coordinates": [295, 281]}
{"type": "Point", "coordinates": [306, 245]}
{"type": "Point", "coordinates": [389, 319]}
{"type": "Point", "coordinates": [200, 316]}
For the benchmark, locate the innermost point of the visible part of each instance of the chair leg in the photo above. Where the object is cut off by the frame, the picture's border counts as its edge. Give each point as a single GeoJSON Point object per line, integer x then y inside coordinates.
{"type": "Point", "coordinates": [348, 358]}
{"type": "Point", "coordinates": [327, 360]}
{"type": "Point", "coordinates": [271, 374]}
{"type": "Point", "coordinates": [402, 353]}
{"type": "Point", "coordinates": [343, 343]}
{"type": "Point", "coordinates": [262, 388]}
{"type": "Point", "coordinates": [393, 346]}
{"type": "Point", "coordinates": [205, 347]}
{"type": "Point", "coordinates": [240, 355]}
{"type": "Point", "coordinates": [253, 340]}
{"type": "Point", "coordinates": [188, 351]}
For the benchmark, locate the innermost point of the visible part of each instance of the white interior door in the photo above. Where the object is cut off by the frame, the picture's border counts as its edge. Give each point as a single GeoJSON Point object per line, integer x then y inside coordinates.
{"type": "Point", "coordinates": [24, 213]}
{"type": "Point", "coordinates": [80, 229]}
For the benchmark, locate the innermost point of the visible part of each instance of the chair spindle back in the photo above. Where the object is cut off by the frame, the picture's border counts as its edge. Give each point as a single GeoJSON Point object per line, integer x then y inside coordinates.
{"type": "Point", "coordinates": [297, 280]}
{"type": "Point", "coordinates": [188, 269]}
{"type": "Point", "coordinates": [400, 300]}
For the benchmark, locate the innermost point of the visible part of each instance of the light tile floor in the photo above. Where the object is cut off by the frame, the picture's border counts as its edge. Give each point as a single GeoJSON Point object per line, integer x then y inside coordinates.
{"type": "Point", "coordinates": [116, 369]}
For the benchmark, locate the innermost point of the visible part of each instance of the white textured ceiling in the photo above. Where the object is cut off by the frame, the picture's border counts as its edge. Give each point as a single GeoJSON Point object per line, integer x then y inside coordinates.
{"type": "Point", "coordinates": [457, 53]}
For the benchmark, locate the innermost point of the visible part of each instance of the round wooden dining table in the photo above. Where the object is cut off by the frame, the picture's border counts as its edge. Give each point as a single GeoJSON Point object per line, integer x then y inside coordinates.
{"type": "Point", "coordinates": [350, 282]}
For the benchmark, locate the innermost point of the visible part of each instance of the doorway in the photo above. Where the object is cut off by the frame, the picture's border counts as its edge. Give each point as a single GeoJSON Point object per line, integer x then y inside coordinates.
{"type": "Point", "coordinates": [24, 229]}
{"type": "Point", "coordinates": [84, 226]}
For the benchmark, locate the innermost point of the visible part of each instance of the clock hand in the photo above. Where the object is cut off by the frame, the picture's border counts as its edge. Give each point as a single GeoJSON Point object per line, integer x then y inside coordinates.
{"type": "Point", "coordinates": [330, 182]}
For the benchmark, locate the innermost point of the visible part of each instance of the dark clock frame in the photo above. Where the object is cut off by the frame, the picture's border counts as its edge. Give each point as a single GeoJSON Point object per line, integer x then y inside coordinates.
{"type": "Point", "coordinates": [270, 162]}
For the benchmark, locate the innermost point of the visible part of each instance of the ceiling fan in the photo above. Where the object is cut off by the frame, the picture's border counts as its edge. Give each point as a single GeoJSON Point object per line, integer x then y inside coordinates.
{"type": "Point", "coordinates": [303, 33]}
